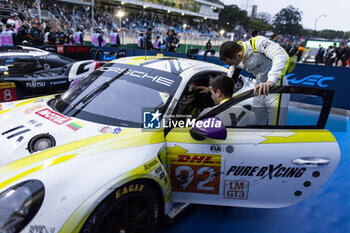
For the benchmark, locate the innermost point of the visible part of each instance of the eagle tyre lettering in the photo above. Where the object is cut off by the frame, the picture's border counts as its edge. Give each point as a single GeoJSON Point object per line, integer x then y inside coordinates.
{"type": "Point", "coordinates": [132, 207]}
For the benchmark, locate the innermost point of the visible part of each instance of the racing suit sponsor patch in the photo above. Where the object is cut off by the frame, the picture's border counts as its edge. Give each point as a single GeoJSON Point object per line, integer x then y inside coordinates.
{"type": "Point", "coordinates": [270, 171]}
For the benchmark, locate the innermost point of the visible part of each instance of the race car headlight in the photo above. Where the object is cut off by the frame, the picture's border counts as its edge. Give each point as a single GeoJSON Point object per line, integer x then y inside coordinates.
{"type": "Point", "coordinates": [19, 204]}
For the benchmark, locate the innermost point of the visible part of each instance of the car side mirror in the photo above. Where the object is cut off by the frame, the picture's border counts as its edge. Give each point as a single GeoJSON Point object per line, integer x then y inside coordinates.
{"type": "Point", "coordinates": [209, 128]}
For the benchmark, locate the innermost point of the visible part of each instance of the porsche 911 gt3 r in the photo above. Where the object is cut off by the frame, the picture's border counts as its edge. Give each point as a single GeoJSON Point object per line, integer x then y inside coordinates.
{"type": "Point", "coordinates": [99, 159]}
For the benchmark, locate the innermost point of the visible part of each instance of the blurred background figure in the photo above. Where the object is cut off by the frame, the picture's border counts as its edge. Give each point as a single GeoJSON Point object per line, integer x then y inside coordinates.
{"type": "Point", "coordinates": [171, 41]}
{"type": "Point", "coordinates": [114, 38]}
{"type": "Point", "coordinates": [79, 35]}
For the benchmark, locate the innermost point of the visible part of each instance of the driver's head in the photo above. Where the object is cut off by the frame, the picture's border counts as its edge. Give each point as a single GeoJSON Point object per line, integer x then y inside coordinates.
{"type": "Point", "coordinates": [221, 88]}
{"type": "Point", "coordinates": [231, 53]}
{"type": "Point", "coordinates": [189, 94]}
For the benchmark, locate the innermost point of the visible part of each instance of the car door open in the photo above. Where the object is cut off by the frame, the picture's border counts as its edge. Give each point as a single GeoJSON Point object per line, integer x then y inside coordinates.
{"type": "Point", "coordinates": [264, 166]}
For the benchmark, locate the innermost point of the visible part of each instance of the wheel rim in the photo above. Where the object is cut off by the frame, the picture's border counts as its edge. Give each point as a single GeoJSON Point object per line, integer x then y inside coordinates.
{"type": "Point", "coordinates": [130, 215]}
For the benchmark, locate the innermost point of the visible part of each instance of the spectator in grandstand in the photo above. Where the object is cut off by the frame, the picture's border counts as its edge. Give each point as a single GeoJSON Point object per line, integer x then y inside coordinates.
{"type": "Point", "coordinates": [255, 33]}
{"type": "Point", "coordinates": [171, 41]}
{"type": "Point", "coordinates": [1, 33]}
{"type": "Point", "coordinates": [52, 36]}
{"type": "Point", "coordinates": [339, 51]}
{"type": "Point", "coordinates": [319, 54]}
{"type": "Point", "coordinates": [148, 39]}
{"type": "Point", "coordinates": [140, 41]}
{"type": "Point", "coordinates": [13, 20]}
{"type": "Point", "coordinates": [286, 45]}
{"type": "Point", "coordinates": [46, 34]}
{"type": "Point", "coordinates": [275, 37]}
{"type": "Point", "coordinates": [157, 43]}
{"type": "Point", "coordinates": [114, 38]}
{"type": "Point", "coordinates": [69, 37]}
{"type": "Point", "coordinates": [101, 39]}
{"type": "Point", "coordinates": [293, 50]}
{"type": "Point", "coordinates": [79, 35]}
{"type": "Point", "coordinates": [208, 45]}
{"type": "Point", "coordinates": [94, 36]}
{"type": "Point", "coordinates": [300, 53]}
{"type": "Point", "coordinates": [9, 37]}
{"type": "Point", "coordinates": [23, 32]}
{"type": "Point", "coordinates": [345, 57]}
{"type": "Point", "coordinates": [307, 54]}
{"type": "Point", "coordinates": [60, 36]}
{"type": "Point", "coordinates": [330, 56]}
{"type": "Point", "coordinates": [35, 35]}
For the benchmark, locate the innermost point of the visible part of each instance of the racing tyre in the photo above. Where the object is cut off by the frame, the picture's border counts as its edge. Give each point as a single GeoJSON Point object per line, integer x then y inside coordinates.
{"type": "Point", "coordinates": [132, 208]}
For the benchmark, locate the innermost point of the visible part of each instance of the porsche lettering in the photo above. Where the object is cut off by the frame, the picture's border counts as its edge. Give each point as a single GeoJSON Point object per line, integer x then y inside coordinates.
{"type": "Point", "coordinates": [271, 171]}
{"type": "Point", "coordinates": [139, 74]}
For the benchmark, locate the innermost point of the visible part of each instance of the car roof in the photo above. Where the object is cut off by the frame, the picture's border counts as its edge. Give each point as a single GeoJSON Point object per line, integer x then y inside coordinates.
{"type": "Point", "coordinates": [174, 65]}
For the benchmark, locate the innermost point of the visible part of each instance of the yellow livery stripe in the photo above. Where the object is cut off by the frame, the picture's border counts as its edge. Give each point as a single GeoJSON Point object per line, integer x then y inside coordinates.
{"type": "Point", "coordinates": [302, 136]}
{"type": "Point", "coordinates": [37, 168]}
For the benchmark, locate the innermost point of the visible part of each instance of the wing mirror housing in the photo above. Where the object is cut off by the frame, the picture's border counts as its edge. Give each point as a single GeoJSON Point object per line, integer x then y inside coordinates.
{"type": "Point", "coordinates": [209, 128]}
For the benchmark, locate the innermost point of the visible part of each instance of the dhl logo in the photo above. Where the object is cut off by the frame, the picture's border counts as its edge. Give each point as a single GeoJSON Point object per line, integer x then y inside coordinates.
{"type": "Point", "coordinates": [196, 159]}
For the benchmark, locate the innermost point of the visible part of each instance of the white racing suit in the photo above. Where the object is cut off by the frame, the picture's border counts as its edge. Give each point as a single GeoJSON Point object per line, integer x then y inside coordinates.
{"type": "Point", "coordinates": [267, 61]}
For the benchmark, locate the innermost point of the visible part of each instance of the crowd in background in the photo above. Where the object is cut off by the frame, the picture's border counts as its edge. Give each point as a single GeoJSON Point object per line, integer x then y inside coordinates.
{"type": "Point", "coordinates": [156, 31]}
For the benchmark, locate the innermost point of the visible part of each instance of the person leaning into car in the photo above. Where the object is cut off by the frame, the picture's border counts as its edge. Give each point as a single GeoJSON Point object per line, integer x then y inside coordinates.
{"type": "Point", "coordinates": [268, 62]}
{"type": "Point", "coordinates": [221, 89]}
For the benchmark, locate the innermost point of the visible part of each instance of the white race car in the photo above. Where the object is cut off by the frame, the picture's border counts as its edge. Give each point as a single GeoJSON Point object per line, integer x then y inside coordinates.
{"type": "Point", "coordinates": [107, 156]}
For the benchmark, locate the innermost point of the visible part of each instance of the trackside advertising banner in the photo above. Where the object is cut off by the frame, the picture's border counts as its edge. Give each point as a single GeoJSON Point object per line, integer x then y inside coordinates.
{"type": "Point", "coordinates": [328, 77]}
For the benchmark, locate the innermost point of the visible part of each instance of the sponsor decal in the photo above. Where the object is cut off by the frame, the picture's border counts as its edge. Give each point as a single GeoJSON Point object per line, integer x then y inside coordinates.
{"type": "Point", "coordinates": [35, 123]}
{"type": "Point", "coordinates": [35, 84]}
{"type": "Point", "coordinates": [7, 92]}
{"type": "Point", "coordinates": [7, 106]}
{"type": "Point", "coordinates": [236, 189]}
{"type": "Point", "coordinates": [7, 85]}
{"type": "Point", "coordinates": [150, 165]}
{"type": "Point", "coordinates": [16, 131]}
{"type": "Point", "coordinates": [108, 129]}
{"type": "Point", "coordinates": [53, 116]}
{"type": "Point", "coordinates": [311, 80]}
{"type": "Point", "coordinates": [230, 149]}
{"type": "Point", "coordinates": [77, 49]}
{"type": "Point", "coordinates": [117, 130]}
{"type": "Point", "coordinates": [41, 229]}
{"type": "Point", "coordinates": [58, 82]}
{"type": "Point", "coordinates": [129, 189]}
{"type": "Point", "coordinates": [196, 173]}
{"type": "Point", "coordinates": [60, 49]}
{"type": "Point", "coordinates": [75, 125]}
{"type": "Point", "coordinates": [216, 148]}
{"type": "Point", "coordinates": [271, 171]}
{"type": "Point", "coordinates": [33, 109]}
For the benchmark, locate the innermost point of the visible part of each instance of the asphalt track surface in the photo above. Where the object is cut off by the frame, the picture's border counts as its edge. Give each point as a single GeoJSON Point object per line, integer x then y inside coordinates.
{"type": "Point", "coordinates": [327, 211]}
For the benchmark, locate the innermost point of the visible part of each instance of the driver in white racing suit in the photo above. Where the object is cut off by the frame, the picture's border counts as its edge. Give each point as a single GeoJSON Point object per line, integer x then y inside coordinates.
{"type": "Point", "coordinates": [221, 89]}
{"type": "Point", "coordinates": [269, 62]}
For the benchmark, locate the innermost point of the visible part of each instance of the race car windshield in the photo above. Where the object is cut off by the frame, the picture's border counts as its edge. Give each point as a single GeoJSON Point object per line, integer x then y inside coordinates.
{"type": "Point", "coordinates": [121, 102]}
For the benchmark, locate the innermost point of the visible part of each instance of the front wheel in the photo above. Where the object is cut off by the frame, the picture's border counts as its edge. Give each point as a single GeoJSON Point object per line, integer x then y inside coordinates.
{"type": "Point", "coordinates": [132, 208]}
